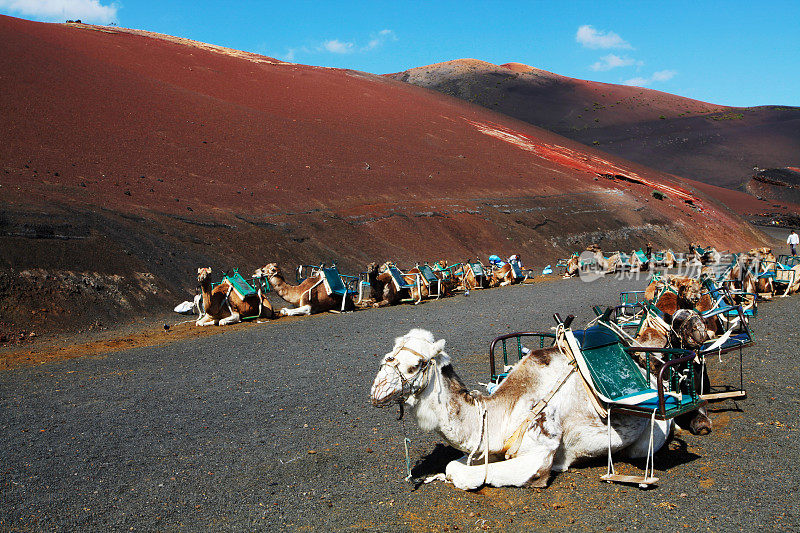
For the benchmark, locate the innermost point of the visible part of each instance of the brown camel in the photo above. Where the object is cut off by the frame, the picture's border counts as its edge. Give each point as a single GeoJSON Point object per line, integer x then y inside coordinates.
{"type": "Point", "coordinates": [310, 297]}
{"type": "Point", "coordinates": [690, 295]}
{"type": "Point", "coordinates": [684, 329]}
{"type": "Point", "coordinates": [382, 289]}
{"type": "Point", "coordinates": [449, 282]}
{"type": "Point", "coordinates": [502, 276]}
{"type": "Point", "coordinates": [468, 279]}
{"type": "Point", "coordinates": [572, 267]}
{"type": "Point", "coordinates": [222, 305]}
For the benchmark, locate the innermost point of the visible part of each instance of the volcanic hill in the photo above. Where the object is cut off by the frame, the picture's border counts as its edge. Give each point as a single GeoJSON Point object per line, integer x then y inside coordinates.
{"type": "Point", "coordinates": [705, 142]}
{"type": "Point", "coordinates": [130, 159]}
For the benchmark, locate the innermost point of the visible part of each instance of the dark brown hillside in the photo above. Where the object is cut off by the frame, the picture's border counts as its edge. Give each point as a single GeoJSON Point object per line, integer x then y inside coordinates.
{"type": "Point", "coordinates": [705, 142]}
{"type": "Point", "coordinates": [130, 159]}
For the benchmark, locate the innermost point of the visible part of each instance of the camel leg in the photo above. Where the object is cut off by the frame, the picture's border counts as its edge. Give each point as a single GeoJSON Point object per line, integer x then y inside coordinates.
{"type": "Point", "coordinates": [302, 310]}
{"type": "Point", "coordinates": [533, 468]}
{"type": "Point", "coordinates": [205, 320]}
{"type": "Point", "coordinates": [531, 465]}
{"type": "Point", "coordinates": [233, 319]}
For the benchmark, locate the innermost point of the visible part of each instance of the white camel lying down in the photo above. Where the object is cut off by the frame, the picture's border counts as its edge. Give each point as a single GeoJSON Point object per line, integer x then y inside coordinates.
{"type": "Point", "coordinates": [418, 372]}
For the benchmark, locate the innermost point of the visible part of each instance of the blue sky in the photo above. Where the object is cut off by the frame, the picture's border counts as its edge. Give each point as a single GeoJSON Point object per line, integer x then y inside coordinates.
{"type": "Point", "coordinates": [740, 53]}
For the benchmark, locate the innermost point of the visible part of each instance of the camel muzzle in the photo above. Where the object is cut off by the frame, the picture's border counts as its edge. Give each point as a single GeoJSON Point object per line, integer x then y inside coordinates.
{"type": "Point", "coordinates": [386, 390]}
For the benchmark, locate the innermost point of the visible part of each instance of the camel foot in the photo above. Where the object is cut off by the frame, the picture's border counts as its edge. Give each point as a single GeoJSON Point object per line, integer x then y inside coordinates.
{"type": "Point", "coordinates": [463, 476]}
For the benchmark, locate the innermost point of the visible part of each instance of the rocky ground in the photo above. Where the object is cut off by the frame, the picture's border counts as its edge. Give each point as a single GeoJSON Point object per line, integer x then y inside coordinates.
{"type": "Point", "coordinates": [269, 426]}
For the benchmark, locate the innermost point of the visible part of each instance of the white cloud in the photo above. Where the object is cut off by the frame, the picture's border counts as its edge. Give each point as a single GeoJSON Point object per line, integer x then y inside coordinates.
{"type": "Point", "coordinates": [614, 61]}
{"type": "Point", "coordinates": [380, 38]}
{"type": "Point", "coordinates": [591, 38]}
{"type": "Point", "coordinates": [637, 82]}
{"type": "Point", "coordinates": [338, 46]}
{"type": "Point", "coordinates": [661, 75]}
{"type": "Point", "coordinates": [335, 46]}
{"type": "Point", "coordinates": [91, 11]}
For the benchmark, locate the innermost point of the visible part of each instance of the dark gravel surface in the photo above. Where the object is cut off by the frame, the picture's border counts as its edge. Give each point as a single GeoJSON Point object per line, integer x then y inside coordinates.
{"type": "Point", "coordinates": [270, 428]}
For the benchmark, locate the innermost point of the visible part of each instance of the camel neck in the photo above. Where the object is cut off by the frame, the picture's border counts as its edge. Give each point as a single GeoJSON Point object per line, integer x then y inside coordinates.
{"type": "Point", "coordinates": [205, 290]}
{"type": "Point", "coordinates": [447, 407]}
{"type": "Point", "coordinates": [280, 286]}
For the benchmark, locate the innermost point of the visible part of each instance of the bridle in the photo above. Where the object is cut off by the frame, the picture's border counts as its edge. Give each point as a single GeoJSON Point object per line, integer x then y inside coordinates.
{"type": "Point", "coordinates": [691, 322]}
{"type": "Point", "coordinates": [414, 384]}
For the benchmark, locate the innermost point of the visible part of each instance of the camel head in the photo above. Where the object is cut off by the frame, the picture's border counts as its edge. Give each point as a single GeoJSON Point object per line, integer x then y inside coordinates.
{"type": "Point", "coordinates": [690, 329]}
{"type": "Point", "coordinates": [406, 370]}
{"type": "Point", "coordinates": [373, 268]}
{"type": "Point", "coordinates": [202, 274]}
{"type": "Point", "coordinates": [689, 289]}
{"type": "Point", "coordinates": [268, 271]}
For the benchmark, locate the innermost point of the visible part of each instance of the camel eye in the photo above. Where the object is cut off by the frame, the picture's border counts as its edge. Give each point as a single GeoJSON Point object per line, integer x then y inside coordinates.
{"type": "Point", "coordinates": [389, 359]}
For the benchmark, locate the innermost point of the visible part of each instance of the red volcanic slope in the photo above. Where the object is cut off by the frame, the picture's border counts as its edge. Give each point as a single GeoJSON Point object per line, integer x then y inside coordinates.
{"type": "Point", "coordinates": [168, 120]}
{"type": "Point", "coordinates": [139, 157]}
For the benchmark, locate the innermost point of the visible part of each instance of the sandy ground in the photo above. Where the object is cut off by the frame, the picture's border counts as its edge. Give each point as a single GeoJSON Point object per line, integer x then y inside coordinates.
{"type": "Point", "coordinates": [268, 426]}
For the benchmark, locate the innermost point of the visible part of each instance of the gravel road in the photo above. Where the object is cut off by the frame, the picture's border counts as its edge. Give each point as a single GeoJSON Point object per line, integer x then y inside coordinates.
{"type": "Point", "coordinates": [269, 427]}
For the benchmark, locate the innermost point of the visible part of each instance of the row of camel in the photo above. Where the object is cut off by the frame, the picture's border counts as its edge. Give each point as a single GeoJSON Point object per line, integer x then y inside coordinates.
{"type": "Point", "coordinates": [755, 269]}
{"type": "Point", "coordinates": [418, 375]}
{"type": "Point", "coordinates": [222, 305]}
{"type": "Point", "coordinates": [594, 258]}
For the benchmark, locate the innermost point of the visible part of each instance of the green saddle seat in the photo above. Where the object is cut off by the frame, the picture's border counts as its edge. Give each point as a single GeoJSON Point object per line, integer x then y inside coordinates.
{"type": "Point", "coordinates": [333, 281]}
{"type": "Point", "coordinates": [427, 275]}
{"type": "Point", "coordinates": [240, 285]}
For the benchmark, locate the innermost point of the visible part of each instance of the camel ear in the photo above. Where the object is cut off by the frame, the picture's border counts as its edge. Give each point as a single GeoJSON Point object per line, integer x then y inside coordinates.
{"type": "Point", "coordinates": [439, 354]}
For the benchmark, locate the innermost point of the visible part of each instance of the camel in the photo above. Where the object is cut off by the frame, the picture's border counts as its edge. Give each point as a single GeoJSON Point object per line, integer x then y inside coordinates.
{"type": "Point", "coordinates": [755, 263]}
{"type": "Point", "coordinates": [502, 276]}
{"type": "Point", "coordinates": [418, 375]}
{"type": "Point", "coordinates": [689, 293]}
{"type": "Point", "coordinates": [421, 289]}
{"type": "Point", "coordinates": [468, 279]}
{"type": "Point", "coordinates": [310, 297]}
{"type": "Point", "coordinates": [710, 256]}
{"type": "Point", "coordinates": [637, 265]}
{"type": "Point", "coordinates": [685, 329]}
{"type": "Point", "coordinates": [572, 267]}
{"type": "Point", "coordinates": [686, 293]}
{"type": "Point", "coordinates": [667, 259]}
{"type": "Point", "coordinates": [382, 289]}
{"type": "Point", "coordinates": [449, 281]}
{"type": "Point", "coordinates": [604, 264]}
{"type": "Point", "coordinates": [223, 306]}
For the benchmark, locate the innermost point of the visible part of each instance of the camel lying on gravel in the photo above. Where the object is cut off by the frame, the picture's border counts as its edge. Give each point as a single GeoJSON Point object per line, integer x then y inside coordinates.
{"type": "Point", "coordinates": [222, 304]}
{"type": "Point", "coordinates": [310, 297]}
{"type": "Point", "coordinates": [418, 374]}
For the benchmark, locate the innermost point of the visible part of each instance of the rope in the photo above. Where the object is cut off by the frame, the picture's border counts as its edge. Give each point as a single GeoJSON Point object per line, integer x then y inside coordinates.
{"type": "Point", "coordinates": [610, 463]}
{"type": "Point", "coordinates": [483, 438]}
{"type": "Point", "coordinates": [406, 442]}
{"type": "Point", "coordinates": [650, 450]}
